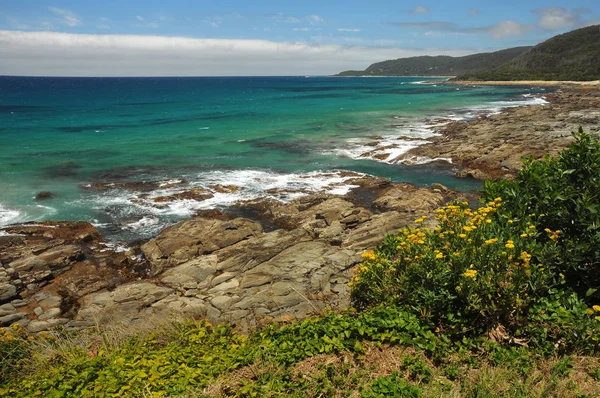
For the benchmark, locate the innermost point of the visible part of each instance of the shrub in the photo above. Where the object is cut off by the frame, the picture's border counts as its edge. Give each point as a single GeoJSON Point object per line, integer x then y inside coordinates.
{"type": "Point", "coordinates": [475, 270]}
{"type": "Point", "coordinates": [566, 191]}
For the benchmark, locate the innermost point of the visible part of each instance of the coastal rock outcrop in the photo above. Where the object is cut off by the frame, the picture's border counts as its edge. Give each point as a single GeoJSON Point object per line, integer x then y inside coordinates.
{"type": "Point", "coordinates": [493, 146]}
{"type": "Point", "coordinates": [249, 276]}
{"type": "Point", "coordinates": [46, 267]}
{"type": "Point", "coordinates": [194, 237]}
{"type": "Point", "coordinates": [215, 266]}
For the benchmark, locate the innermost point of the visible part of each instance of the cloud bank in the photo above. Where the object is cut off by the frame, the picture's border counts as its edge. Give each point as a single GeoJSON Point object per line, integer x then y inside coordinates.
{"type": "Point", "coordinates": [66, 54]}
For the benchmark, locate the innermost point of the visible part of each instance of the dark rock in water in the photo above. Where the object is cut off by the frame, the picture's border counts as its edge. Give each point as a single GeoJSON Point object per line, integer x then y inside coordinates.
{"type": "Point", "coordinates": [44, 195]}
{"type": "Point", "coordinates": [197, 194]}
{"type": "Point", "coordinates": [140, 186]}
{"type": "Point", "coordinates": [295, 147]}
{"type": "Point", "coordinates": [226, 188]}
{"type": "Point", "coordinates": [66, 169]}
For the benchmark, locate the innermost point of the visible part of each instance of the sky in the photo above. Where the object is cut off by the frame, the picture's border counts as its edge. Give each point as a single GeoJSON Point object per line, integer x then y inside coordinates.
{"type": "Point", "coordinates": [264, 37]}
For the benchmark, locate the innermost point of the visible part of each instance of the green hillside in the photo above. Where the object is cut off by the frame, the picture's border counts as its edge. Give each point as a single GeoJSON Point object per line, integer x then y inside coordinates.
{"type": "Point", "coordinates": [571, 56]}
{"type": "Point", "coordinates": [441, 65]}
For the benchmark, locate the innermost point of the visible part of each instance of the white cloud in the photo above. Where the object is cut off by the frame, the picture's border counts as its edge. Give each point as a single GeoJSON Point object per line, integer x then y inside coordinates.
{"type": "Point", "coordinates": [509, 28]}
{"type": "Point", "coordinates": [66, 17]}
{"type": "Point", "coordinates": [348, 30]}
{"type": "Point", "coordinates": [420, 10]}
{"type": "Point", "coordinates": [552, 18]}
{"type": "Point", "coordinates": [215, 22]}
{"type": "Point", "coordinates": [315, 19]}
{"type": "Point", "coordinates": [301, 29]}
{"type": "Point", "coordinates": [145, 23]}
{"type": "Point", "coordinates": [311, 19]}
{"type": "Point", "coordinates": [65, 54]}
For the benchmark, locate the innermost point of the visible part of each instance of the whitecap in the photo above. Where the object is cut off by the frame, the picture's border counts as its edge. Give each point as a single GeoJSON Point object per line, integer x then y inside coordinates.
{"type": "Point", "coordinates": [143, 223]}
{"type": "Point", "coordinates": [9, 216]}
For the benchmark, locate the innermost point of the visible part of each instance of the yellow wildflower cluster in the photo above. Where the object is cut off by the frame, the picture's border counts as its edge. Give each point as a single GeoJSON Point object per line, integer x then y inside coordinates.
{"type": "Point", "coordinates": [6, 335]}
{"type": "Point", "coordinates": [414, 236]}
{"type": "Point", "coordinates": [594, 310]}
{"type": "Point", "coordinates": [470, 273]}
{"type": "Point", "coordinates": [420, 220]}
{"type": "Point", "coordinates": [491, 241]}
{"type": "Point", "coordinates": [369, 255]}
{"type": "Point", "coordinates": [509, 244]}
{"type": "Point", "coordinates": [554, 235]}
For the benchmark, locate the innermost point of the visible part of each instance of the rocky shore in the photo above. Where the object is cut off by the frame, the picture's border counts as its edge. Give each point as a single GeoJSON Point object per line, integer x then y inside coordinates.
{"type": "Point", "coordinates": [215, 265]}
{"type": "Point", "coordinates": [492, 147]}
{"type": "Point", "coordinates": [262, 260]}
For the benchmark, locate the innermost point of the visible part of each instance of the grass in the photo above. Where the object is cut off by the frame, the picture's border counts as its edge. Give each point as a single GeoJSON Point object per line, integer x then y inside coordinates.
{"type": "Point", "coordinates": [218, 361]}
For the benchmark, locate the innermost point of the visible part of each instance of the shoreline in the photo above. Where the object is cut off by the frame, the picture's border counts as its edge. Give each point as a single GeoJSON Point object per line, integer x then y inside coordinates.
{"type": "Point", "coordinates": [269, 261]}
{"type": "Point", "coordinates": [539, 83]}
{"type": "Point", "coordinates": [492, 146]}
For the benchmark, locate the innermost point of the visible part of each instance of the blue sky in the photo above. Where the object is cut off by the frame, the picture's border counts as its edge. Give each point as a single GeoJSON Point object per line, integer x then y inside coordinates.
{"type": "Point", "coordinates": [332, 35]}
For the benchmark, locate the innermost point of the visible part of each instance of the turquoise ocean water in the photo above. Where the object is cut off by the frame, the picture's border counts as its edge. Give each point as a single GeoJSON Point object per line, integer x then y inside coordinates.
{"type": "Point", "coordinates": [276, 136]}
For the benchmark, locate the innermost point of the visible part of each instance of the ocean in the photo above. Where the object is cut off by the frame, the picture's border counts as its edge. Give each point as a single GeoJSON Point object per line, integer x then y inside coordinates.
{"type": "Point", "coordinates": [107, 148]}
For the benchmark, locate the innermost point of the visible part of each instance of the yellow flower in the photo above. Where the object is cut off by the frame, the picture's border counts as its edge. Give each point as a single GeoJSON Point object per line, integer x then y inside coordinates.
{"type": "Point", "coordinates": [369, 255]}
{"type": "Point", "coordinates": [532, 227]}
{"type": "Point", "coordinates": [510, 221]}
{"type": "Point", "coordinates": [498, 199]}
{"type": "Point", "coordinates": [458, 288]}
{"type": "Point", "coordinates": [463, 235]}
{"type": "Point", "coordinates": [487, 220]}
{"type": "Point", "coordinates": [439, 255]}
{"type": "Point", "coordinates": [524, 235]}
{"type": "Point", "coordinates": [421, 242]}
{"type": "Point", "coordinates": [470, 273]}
{"type": "Point", "coordinates": [509, 246]}
{"type": "Point", "coordinates": [491, 241]}
{"type": "Point", "coordinates": [596, 308]}
{"type": "Point", "coordinates": [456, 254]}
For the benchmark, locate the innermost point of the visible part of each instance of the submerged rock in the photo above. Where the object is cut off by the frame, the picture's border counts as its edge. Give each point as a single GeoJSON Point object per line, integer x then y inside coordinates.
{"type": "Point", "coordinates": [44, 195]}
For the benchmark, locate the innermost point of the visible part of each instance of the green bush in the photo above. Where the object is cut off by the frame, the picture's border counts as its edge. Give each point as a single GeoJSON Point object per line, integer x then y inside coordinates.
{"type": "Point", "coordinates": [527, 260]}
{"type": "Point", "coordinates": [563, 193]}
{"type": "Point", "coordinates": [474, 271]}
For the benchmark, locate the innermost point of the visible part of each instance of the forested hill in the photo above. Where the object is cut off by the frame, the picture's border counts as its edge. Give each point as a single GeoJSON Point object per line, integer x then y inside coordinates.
{"type": "Point", "coordinates": [571, 56]}
{"type": "Point", "coordinates": [441, 65]}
